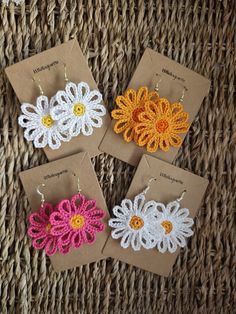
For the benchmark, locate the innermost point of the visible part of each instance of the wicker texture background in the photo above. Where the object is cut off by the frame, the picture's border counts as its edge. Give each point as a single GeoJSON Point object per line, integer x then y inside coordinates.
{"type": "Point", "coordinates": [113, 35]}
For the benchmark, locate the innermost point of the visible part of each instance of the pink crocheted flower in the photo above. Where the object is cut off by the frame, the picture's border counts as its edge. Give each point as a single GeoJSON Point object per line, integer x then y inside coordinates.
{"type": "Point", "coordinates": [40, 231]}
{"type": "Point", "coordinates": [76, 221]}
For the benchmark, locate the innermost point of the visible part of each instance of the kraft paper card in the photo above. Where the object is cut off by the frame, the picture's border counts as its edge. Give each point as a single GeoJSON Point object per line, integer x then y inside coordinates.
{"type": "Point", "coordinates": [170, 183]}
{"type": "Point", "coordinates": [48, 66]}
{"type": "Point", "coordinates": [174, 78]}
{"type": "Point", "coordinates": [60, 179]}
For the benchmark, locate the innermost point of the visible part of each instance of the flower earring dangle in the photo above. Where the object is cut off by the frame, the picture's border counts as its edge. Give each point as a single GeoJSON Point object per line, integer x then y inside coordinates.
{"type": "Point", "coordinates": [69, 224]}
{"type": "Point", "coordinates": [161, 123]}
{"type": "Point", "coordinates": [135, 222]}
{"type": "Point", "coordinates": [176, 225]}
{"type": "Point", "coordinates": [39, 125]}
{"type": "Point", "coordinates": [78, 110]}
{"type": "Point", "coordinates": [40, 230]}
{"type": "Point", "coordinates": [76, 221]}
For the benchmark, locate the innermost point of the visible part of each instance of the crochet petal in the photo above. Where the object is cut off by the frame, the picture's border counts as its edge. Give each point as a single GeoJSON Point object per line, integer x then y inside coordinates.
{"type": "Point", "coordinates": [37, 232]}
{"type": "Point", "coordinates": [180, 240]}
{"type": "Point", "coordinates": [127, 206]}
{"type": "Point", "coordinates": [162, 245]}
{"type": "Point", "coordinates": [64, 207]}
{"type": "Point", "coordinates": [123, 103]}
{"type": "Point", "coordinates": [28, 122]}
{"type": "Point", "coordinates": [88, 236]}
{"type": "Point", "coordinates": [75, 127]}
{"type": "Point", "coordinates": [144, 138]}
{"type": "Point", "coordinates": [77, 239]}
{"type": "Point", "coordinates": [94, 97]}
{"type": "Point", "coordinates": [89, 206]}
{"type": "Point", "coordinates": [153, 96]}
{"type": "Point", "coordinates": [172, 208]}
{"type": "Point", "coordinates": [97, 214]}
{"type": "Point", "coordinates": [130, 94]}
{"type": "Point", "coordinates": [97, 110]}
{"type": "Point", "coordinates": [126, 240]}
{"type": "Point", "coordinates": [96, 226]}
{"type": "Point", "coordinates": [78, 203]}
{"type": "Point", "coordinates": [65, 238]}
{"type": "Point", "coordinates": [142, 95]}
{"type": "Point", "coordinates": [164, 143]}
{"type": "Point", "coordinates": [39, 243]}
{"type": "Point", "coordinates": [72, 91]}
{"type": "Point", "coordinates": [83, 90]}
{"type": "Point", "coordinates": [139, 201]}
{"type": "Point", "coordinates": [61, 111]}
{"type": "Point", "coordinates": [120, 212]}
{"type": "Point", "coordinates": [135, 242]}
{"type": "Point", "coordinates": [30, 111]}
{"type": "Point", "coordinates": [51, 246]}
{"type": "Point", "coordinates": [40, 139]}
{"type": "Point", "coordinates": [128, 134]}
{"type": "Point", "coordinates": [164, 107]}
{"type": "Point", "coordinates": [117, 223]}
{"type": "Point", "coordinates": [53, 141]}
{"type": "Point", "coordinates": [153, 144]}
{"type": "Point", "coordinates": [95, 121]}
{"type": "Point", "coordinates": [36, 220]}
{"type": "Point", "coordinates": [121, 125]}
{"type": "Point", "coordinates": [152, 109]}
{"type": "Point", "coordinates": [118, 233]}
{"type": "Point", "coordinates": [176, 108]}
{"type": "Point", "coordinates": [180, 128]}
{"type": "Point", "coordinates": [118, 114]}
{"type": "Point", "coordinates": [180, 118]}
{"type": "Point", "coordinates": [175, 140]}
{"type": "Point", "coordinates": [42, 104]}
{"type": "Point", "coordinates": [171, 244]}
{"type": "Point", "coordinates": [86, 129]}
{"type": "Point", "coordinates": [59, 229]}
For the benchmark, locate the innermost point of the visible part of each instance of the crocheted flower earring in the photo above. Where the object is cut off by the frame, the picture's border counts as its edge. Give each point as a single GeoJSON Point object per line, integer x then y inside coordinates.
{"type": "Point", "coordinates": [176, 225]}
{"type": "Point", "coordinates": [40, 229]}
{"type": "Point", "coordinates": [40, 127]}
{"type": "Point", "coordinates": [135, 222]}
{"type": "Point", "coordinates": [160, 123]}
{"type": "Point", "coordinates": [76, 221]}
{"type": "Point", "coordinates": [130, 105]}
{"type": "Point", "coordinates": [78, 109]}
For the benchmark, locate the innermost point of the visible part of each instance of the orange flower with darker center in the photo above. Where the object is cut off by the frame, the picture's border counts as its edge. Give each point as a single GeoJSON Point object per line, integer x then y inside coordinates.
{"type": "Point", "coordinates": [130, 106]}
{"type": "Point", "coordinates": [160, 124]}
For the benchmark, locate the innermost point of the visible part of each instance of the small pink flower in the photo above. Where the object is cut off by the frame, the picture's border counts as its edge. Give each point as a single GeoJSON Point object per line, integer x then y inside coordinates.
{"type": "Point", "coordinates": [40, 231]}
{"type": "Point", "coordinates": [76, 221]}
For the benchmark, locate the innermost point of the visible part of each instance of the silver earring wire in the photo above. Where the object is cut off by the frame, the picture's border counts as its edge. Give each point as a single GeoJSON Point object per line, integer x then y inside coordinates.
{"type": "Point", "coordinates": [149, 184]}
{"type": "Point", "coordinates": [78, 184]}
{"type": "Point", "coordinates": [182, 97]}
{"type": "Point", "coordinates": [37, 82]}
{"type": "Point", "coordinates": [65, 73]}
{"type": "Point", "coordinates": [182, 196]}
{"type": "Point", "coordinates": [157, 85]}
{"type": "Point", "coordinates": [41, 194]}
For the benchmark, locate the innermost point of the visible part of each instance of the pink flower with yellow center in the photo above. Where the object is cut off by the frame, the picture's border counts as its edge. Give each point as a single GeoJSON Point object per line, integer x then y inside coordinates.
{"type": "Point", "coordinates": [76, 221]}
{"type": "Point", "coordinates": [40, 231]}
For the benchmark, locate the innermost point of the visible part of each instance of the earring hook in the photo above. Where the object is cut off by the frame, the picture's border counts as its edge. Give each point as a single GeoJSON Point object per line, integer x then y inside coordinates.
{"type": "Point", "coordinates": [149, 184]}
{"type": "Point", "coordinates": [182, 196]}
{"type": "Point", "coordinates": [78, 184]}
{"type": "Point", "coordinates": [37, 82]}
{"type": "Point", "coordinates": [65, 73]}
{"type": "Point", "coordinates": [182, 97]}
{"type": "Point", "coordinates": [40, 193]}
{"type": "Point", "coordinates": [157, 85]}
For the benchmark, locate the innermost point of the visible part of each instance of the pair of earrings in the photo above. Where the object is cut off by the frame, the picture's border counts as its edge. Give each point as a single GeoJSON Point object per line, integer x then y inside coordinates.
{"type": "Point", "coordinates": [149, 120]}
{"type": "Point", "coordinates": [151, 224]}
{"type": "Point", "coordinates": [71, 223]}
{"type": "Point", "coordinates": [73, 111]}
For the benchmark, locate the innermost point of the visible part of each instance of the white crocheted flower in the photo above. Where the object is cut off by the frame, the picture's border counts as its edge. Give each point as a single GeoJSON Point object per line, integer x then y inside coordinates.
{"type": "Point", "coordinates": [135, 223]}
{"type": "Point", "coordinates": [40, 127]}
{"type": "Point", "coordinates": [176, 226]}
{"type": "Point", "coordinates": [79, 110]}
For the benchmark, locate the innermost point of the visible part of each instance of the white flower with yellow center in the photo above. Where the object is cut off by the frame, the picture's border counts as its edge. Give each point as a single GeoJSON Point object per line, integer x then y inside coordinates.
{"type": "Point", "coordinates": [135, 223]}
{"type": "Point", "coordinates": [79, 110]}
{"type": "Point", "coordinates": [176, 225]}
{"type": "Point", "coordinates": [39, 124]}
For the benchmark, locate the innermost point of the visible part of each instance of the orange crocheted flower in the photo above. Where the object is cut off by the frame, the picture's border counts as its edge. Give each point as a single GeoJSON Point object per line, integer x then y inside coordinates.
{"type": "Point", "coordinates": [160, 125]}
{"type": "Point", "coordinates": [131, 104]}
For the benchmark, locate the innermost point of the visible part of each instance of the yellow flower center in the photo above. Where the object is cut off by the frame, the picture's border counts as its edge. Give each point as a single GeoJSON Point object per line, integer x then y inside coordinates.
{"type": "Point", "coordinates": [136, 113]}
{"type": "Point", "coordinates": [48, 227]}
{"type": "Point", "coordinates": [162, 125]}
{"type": "Point", "coordinates": [78, 109]}
{"type": "Point", "coordinates": [77, 221]}
{"type": "Point", "coordinates": [167, 225]}
{"type": "Point", "coordinates": [136, 222]}
{"type": "Point", "coordinates": [47, 121]}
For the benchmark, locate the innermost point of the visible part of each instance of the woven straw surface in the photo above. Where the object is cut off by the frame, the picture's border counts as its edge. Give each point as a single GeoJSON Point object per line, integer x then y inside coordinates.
{"type": "Point", "coordinates": [113, 36]}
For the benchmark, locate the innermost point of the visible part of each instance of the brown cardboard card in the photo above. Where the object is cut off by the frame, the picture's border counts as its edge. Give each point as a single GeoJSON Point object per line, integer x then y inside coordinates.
{"type": "Point", "coordinates": [174, 77]}
{"type": "Point", "coordinates": [48, 66]}
{"type": "Point", "coordinates": [170, 183]}
{"type": "Point", "coordinates": [61, 183]}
